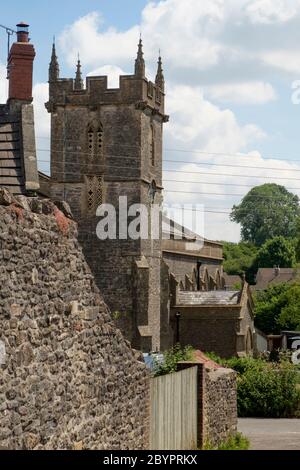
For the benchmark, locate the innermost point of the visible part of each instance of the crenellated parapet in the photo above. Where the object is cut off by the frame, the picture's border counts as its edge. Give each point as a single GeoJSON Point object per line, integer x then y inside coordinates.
{"type": "Point", "coordinates": [133, 89]}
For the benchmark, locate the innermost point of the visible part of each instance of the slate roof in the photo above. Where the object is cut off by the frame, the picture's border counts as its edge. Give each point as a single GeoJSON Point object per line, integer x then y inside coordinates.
{"type": "Point", "coordinates": [173, 228]}
{"type": "Point", "coordinates": [216, 297]}
{"type": "Point", "coordinates": [231, 280]}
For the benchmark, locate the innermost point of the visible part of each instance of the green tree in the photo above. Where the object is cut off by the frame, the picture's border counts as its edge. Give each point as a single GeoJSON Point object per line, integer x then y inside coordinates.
{"type": "Point", "coordinates": [289, 317]}
{"type": "Point", "coordinates": [265, 212]}
{"type": "Point", "coordinates": [238, 257]}
{"type": "Point", "coordinates": [297, 242]}
{"type": "Point", "coordinates": [276, 252]}
{"type": "Point", "coordinates": [268, 306]}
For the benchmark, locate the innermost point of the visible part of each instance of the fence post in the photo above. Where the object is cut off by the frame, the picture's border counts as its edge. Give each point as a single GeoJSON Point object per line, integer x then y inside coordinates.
{"type": "Point", "coordinates": [182, 365]}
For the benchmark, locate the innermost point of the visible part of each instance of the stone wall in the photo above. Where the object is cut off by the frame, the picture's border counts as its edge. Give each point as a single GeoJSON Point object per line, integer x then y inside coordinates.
{"type": "Point", "coordinates": [209, 328]}
{"type": "Point", "coordinates": [68, 378]}
{"type": "Point", "coordinates": [219, 405]}
{"type": "Point", "coordinates": [181, 265]}
{"type": "Point", "coordinates": [216, 400]}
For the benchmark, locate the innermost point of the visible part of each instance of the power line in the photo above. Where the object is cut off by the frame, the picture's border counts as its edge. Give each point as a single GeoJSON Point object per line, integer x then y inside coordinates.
{"type": "Point", "coordinates": [185, 162]}
{"type": "Point", "coordinates": [255, 196]}
{"type": "Point", "coordinates": [219, 184]}
{"type": "Point", "coordinates": [193, 151]}
{"type": "Point", "coordinates": [116, 167]}
{"type": "Point", "coordinates": [233, 175]}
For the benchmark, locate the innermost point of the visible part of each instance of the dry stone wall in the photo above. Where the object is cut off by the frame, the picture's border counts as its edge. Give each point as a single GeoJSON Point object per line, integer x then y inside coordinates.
{"type": "Point", "coordinates": [68, 378]}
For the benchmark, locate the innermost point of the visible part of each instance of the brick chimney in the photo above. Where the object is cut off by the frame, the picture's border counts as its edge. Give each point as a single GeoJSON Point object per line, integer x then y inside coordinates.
{"type": "Point", "coordinates": [20, 66]}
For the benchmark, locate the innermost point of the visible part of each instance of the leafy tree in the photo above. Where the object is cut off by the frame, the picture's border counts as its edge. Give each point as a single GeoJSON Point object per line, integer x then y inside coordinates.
{"type": "Point", "coordinates": [278, 308]}
{"type": "Point", "coordinates": [265, 212]}
{"type": "Point", "coordinates": [276, 252]}
{"type": "Point", "coordinates": [289, 318]}
{"type": "Point", "coordinates": [297, 242]}
{"type": "Point", "coordinates": [268, 306]}
{"type": "Point", "coordinates": [238, 257]}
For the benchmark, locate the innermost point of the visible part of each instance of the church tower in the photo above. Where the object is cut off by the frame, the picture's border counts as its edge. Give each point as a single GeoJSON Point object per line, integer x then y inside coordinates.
{"type": "Point", "coordinates": [106, 143]}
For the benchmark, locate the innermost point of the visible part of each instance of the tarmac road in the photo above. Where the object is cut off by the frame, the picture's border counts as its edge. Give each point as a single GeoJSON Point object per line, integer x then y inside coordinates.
{"type": "Point", "coordinates": [271, 434]}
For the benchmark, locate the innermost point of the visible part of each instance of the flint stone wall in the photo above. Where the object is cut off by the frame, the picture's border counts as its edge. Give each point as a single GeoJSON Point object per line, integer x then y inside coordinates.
{"type": "Point", "coordinates": [68, 378]}
{"type": "Point", "coordinates": [219, 405]}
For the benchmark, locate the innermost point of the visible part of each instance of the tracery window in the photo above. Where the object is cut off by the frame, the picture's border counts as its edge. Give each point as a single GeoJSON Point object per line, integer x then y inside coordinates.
{"type": "Point", "coordinates": [152, 146]}
{"type": "Point", "coordinates": [95, 141]}
{"type": "Point", "coordinates": [94, 193]}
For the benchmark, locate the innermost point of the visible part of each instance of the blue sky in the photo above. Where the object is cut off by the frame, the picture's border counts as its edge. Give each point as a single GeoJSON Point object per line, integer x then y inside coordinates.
{"type": "Point", "coordinates": [50, 18]}
{"type": "Point", "coordinates": [229, 69]}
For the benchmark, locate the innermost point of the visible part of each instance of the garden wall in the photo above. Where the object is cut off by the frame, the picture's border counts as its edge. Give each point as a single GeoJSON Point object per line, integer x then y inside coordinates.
{"type": "Point", "coordinates": [219, 406]}
{"type": "Point", "coordinates": [68, 378]}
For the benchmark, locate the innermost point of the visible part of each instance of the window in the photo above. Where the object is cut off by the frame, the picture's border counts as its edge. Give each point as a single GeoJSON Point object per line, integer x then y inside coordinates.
{"type": "Point", "coordinates": [150, 89]}
{"type": "Point", "coordinates": [152, 146]}
{"type": "Point", "coordinates": [95, 141]}
{"type": "Point", "coordinates": [94, 193]}
{"type": "Point", "coordinates": [91, 142]}
{"type": "Point", "coordinates": [158, 96]}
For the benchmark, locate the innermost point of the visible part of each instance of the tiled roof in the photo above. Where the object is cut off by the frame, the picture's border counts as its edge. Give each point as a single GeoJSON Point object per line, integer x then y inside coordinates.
{"type": "Point", "coordinates": [269, 276]}
{"type": "Point", "coordinates": [11, 168]}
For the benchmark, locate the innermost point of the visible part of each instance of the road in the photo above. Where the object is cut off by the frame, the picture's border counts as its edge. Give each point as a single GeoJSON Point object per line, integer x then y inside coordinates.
{"type": "Point", "coordinates": [271, 434]}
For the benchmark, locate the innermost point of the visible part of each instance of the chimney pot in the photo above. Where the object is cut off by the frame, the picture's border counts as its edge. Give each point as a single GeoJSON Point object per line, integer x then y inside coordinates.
{"type": "Point", "coordinates": [23, 32]}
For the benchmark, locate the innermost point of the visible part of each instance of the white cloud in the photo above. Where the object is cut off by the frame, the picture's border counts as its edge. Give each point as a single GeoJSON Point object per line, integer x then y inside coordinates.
{"type": "Point", "coordinates": [109, 46]}
{"type": "Point", "coordinates": [214, 52]}
{"type": "Point", "coordinates": [272, 11]}
{"type": "Point", "coordinates": [201, 36]}
{"type": "Point", "coordinates": [3, 84]}
{"type": "Point", "coordinates": [242, 93]}
{"type": "Point", "coordinates": [289, 61]}
{"type": "Point", "coordinates": [42, 125]}
{"type": "Point", "coordinates": [113, 73]}
{"type": "Point", "coordinates": [197, 123]}
{"type": "Point", "coordinates": [42, 117]}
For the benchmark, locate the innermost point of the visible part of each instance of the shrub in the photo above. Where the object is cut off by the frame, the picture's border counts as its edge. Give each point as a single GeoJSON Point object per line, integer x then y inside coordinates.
{"type": "Point", "coordinates": [236, 442]}
{"type": "Point", "coordinates": [265, 389]}
{"type": "Point", "coordinates": [269, 391]}
{"type": "Point", "coordinates": [171, 359]}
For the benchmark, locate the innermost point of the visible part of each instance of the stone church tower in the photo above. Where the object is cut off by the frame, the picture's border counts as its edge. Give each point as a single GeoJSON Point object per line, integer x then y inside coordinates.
{"type": "Point", "coordinates": [107, 143]}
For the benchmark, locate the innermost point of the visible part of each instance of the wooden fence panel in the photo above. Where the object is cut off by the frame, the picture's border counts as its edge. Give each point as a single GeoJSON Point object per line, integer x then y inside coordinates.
{"type": "Point", "coordinates": [173, 419]}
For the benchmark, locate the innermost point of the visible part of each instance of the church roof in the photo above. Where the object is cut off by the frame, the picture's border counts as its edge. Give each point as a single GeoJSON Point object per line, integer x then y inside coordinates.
{"type": "Point", "coordinates": [215, 297]}
{"type": "Point", "coordinates": [169, 226]}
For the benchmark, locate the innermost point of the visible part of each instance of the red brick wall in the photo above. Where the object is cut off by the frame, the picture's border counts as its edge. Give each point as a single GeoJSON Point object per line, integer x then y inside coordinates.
{"type": "Point", "coordinates": [20, 64]}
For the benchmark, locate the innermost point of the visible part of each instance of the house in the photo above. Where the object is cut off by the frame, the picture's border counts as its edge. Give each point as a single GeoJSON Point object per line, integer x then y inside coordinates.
{"type": "Point", "coordinates": [18, 163]}
{"type": "Point", "coordinates": [267, 277]}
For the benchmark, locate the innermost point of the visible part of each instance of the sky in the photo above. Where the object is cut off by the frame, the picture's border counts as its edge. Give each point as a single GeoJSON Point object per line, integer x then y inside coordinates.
{"type": "Point", "coordinates": [231, 70]}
